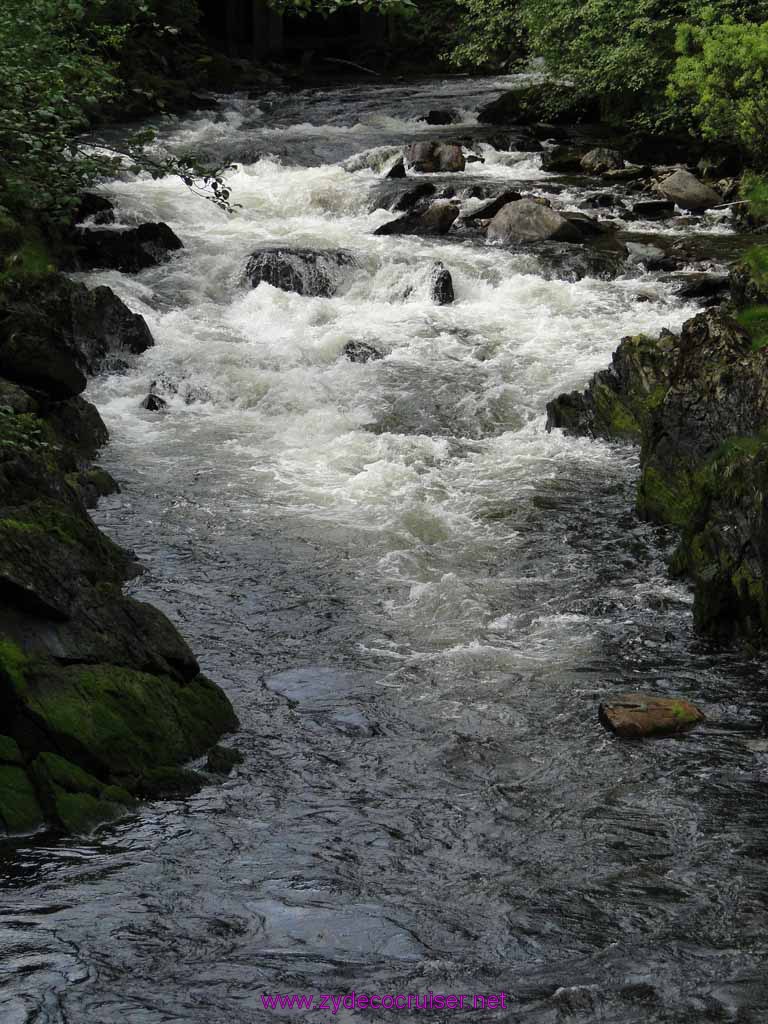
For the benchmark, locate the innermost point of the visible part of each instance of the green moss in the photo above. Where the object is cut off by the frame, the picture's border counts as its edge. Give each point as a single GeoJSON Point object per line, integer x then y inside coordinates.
{"type": "Point", "coordinates": [20, 810]}
{"type": "Point", "coordinates": [13, 663]}
{"type": "Point", "coordinates": [71, 797]}
{"type": "Point", "coordinates": [661, 500]}
{"type": "Point", "coordinates": [9, 751]}
{"type": "Point", "coordinates": [29, 258]}
{"type": "Point", "coordinates": [122, 722]}
{"type": "Point", "coordinates": [683, 714]}
{"type": "Point", "coordinates": [616, 419]}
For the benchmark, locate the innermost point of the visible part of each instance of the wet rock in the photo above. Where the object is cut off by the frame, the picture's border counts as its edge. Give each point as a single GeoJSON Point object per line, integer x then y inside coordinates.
{"type": "Point", "coordinates": [439, 117]}
{"type": "Point", "coordinates": [169, 782]}
{"type": "Point", "coordinates": [489, 209]}
{"type": "Point", "coordinates": [527, 221]}
{"type": "Point", "coordinates": [434, 157]}
{"type": "Point", "coordinates": [437, 219]}
{"type": "Point", "coordinates": [638, 715]}
{"type": "Point", "coordinates": [154, 403]}
{"type": "Point", "coordinates": [588, 226]}
{"type": "Point", "coordinates": [405, 201]}
{"type": "Point", "coordinates": [619, 401]}
{"type": "Point", "coordinates": [395, 168]}
{"type": "Point", "coordinates": [652, 257]}
{"type": "Point", "coordinates": [745, 289]}
{"type": "Point", "coordinates": [562, 159]}
{"type": "Point", "coordinates": [600, 160]}
{"type": "Point", "coordinates": [129, 250]}
{"type": "Point", "coordinates": [35, 355]}
{"type": "Point", "coordinates": [653, 209]}
{"type": "Point", "coordinates": [600, 201]}
{"type": "Point", "coordinates": [441, 285]}
{"type": "Point", "coordinates": [92, 484]}
{"type": "Point", "coordinates": [632, 172]}
{"type": "Point", "coordinates": [687, 192]}
{"type": "Point", "coordinates": [361, 352]}
{"type": "Point", "coordinates": [96, 208]}
{"type": "Point", "coordinates": [222, 760]}
{"type": "Point", "coordinates": [533, 103]}
{"type": "Point", "coordinates": [712, 288]}
{"type": "Point", "coordinates": [312, 272]}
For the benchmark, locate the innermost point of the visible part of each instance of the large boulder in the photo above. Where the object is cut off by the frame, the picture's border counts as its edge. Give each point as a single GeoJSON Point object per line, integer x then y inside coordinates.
{"type": "Point", "coordinates": [489, 209]}
{"type": "Point", "coordinates": [563, 160]}
{"type": "Point", "coordinates": [600, 160]}
{"type": "Point", "coordinates": [686, 191]}
{"type": "Point", "coordinates": [528, 221]}
{"type": "Point", "coordinates": [54, 331]}
{"type": "Point", "coordinates": [129, 250]}
{"type": "Point", "coordinates": [434, 157]}
{"type": "Point", "coordinates": [437, 219]}
{"type": "Point", "coordinates": [311, 272]}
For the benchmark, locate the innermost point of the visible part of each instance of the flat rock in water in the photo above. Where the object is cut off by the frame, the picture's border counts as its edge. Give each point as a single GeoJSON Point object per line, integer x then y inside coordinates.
{"type": "Point", "coordinates": [637, 715]}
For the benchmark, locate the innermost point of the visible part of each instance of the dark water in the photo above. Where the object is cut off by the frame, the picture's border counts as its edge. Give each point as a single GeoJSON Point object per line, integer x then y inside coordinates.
{"type": "Point", "coordinates": [415, 598]}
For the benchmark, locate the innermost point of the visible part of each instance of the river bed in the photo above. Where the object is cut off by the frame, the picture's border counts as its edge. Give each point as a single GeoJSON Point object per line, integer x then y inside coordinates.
{"type": "Point", "coordinates": [415, 597]}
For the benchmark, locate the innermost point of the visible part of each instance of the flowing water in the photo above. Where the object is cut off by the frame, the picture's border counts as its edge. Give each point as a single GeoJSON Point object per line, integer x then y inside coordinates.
{"type": "Point", "coordinates": [416, 598]}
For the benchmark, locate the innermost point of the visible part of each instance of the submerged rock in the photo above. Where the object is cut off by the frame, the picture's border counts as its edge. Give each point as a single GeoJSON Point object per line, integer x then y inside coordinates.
{"type": "Point", "coordinates": [129, 250]}
{"type": "Point", "coordinates": [528, 221]}
{"type": "Point", "coordinates": [687, 192]}
{"type": "Point", "coordinates": [312, 272]}
{"type": "Point", "coordinates": [361, 352]}
{"type": "Point", "coordinates": [441, 285]}
{"type": "Point", "coordinates": [639, 715]}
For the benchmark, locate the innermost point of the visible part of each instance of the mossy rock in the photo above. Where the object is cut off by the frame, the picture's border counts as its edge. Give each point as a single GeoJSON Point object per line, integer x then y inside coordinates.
{"type": "Point", "coordinates": [9, 751]}
{"type": "Point", "coordinates": [74, 799]}
{"type": "Point", "coordinates": [121, 723]}
{"type": "Point", "coordinates": [221, 760]}
{"type": "Point", "coordinates": [20, 810]}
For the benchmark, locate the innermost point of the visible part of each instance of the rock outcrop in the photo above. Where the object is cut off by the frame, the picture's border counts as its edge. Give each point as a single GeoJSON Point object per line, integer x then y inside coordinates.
{"type": "Point", "coordinates": [97, 690]}
{"type": "Point", "coordinates": [698, 405]}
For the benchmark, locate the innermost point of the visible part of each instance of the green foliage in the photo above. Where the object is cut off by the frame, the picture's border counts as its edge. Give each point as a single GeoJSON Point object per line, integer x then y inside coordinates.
{"type": "Point", "coordinates": [754, 319]}
{"type": "Point", "coordinates": [490, 34]}
{"type": "Point", "coordinates": [722, 73]}
{"type": "Point", "coordinates": [328, 7]}
{"type": "Point", "coordinates": [754, 188]}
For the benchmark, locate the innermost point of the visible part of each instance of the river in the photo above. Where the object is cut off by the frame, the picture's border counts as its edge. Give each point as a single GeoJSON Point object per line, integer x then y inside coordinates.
{"type": "Point", "coordinates": [415, 597]}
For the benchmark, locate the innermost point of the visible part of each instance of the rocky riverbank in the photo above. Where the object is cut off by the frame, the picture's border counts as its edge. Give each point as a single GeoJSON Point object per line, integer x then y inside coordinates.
{"type": "Point", "coordinates": [697, 403]}
{"type": "Point", "coordinates": [101, 699]}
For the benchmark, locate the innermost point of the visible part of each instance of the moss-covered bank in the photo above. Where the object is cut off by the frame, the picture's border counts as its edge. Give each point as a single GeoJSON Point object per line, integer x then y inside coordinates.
{"type": "Point", "coordinates": [100, 698]}
{"type": "Point", "coordinates": [697, 404]}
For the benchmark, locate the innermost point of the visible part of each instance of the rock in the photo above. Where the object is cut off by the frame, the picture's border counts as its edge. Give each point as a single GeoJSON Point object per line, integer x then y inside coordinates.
{"type": "Point", "coordinates": [129, 250]}
{"type": "Point", "coordinates": [154, 403]}
{"type": "Point", "coordinates": [600, 201]}
{"type": "Point", "coordinates": [588, 226]}
{"type": "Point", "coordinates": [437, 219]}
{"type": "Point", "coordinates": [711, 287]}
{"type": "Point", "coordinates": [92, 484]}
{"type": "Point", "coordinates": [652, 257]}
{"type": "Point", "coordinates": [745, 289]}
{"type": "Point", "coordinates": [72, 798]}
{"type": "Point", "coordinates": [441, 285]}
{"type": "Point", "coordinates": [653, 209]}
{"type": "Point", "coordinates": [562, 159]}
{"type": "Point", "coordinates": [394, 169]}
{"type": "Point", "coordinates": [618, 402]}
{"type": "Point", "coordinates": [16, 399]}
{"type": "Point", "coordinates": [361, 352]}
{"type": "Point", "coordinates": [434, 157]}
{"type": "Point", "coordinates": [222, 760]}
{"type": "Point", "coordinates": [527, 221]}
{"type": "Point", "coordinates": [632, 172]}
{"type": "Point", "coordinates": [600, 160]}
{"type": "Point", "coordinates": [489, 209]}
{"type": "Point", "coordinates": [687, 192]}
{"type": "Point", "coordinates": [54, 331]}
{"type": "Point", "coordinates": [406, 201]}
{"type": "Point", "coordinates": [312, 272]}
{"type": "Point", "coordinates": [534, 103]}
{"type": "Point", "coordinates": [96, 208]}
{"type": "Point", "coordinates": [439, 117]}
{"type": "Point", "coordinates": [169, 782]}
{"type": "Point", "coordinates": [637, 715]}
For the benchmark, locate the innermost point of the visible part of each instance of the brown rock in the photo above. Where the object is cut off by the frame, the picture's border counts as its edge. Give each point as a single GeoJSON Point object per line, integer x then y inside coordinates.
{"type": "Point", "coordinates": [636, 715]}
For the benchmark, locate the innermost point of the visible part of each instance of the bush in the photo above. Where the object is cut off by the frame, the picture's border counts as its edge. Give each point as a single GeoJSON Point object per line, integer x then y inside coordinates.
{"type": "Point", "coordinates": [722, 73]}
